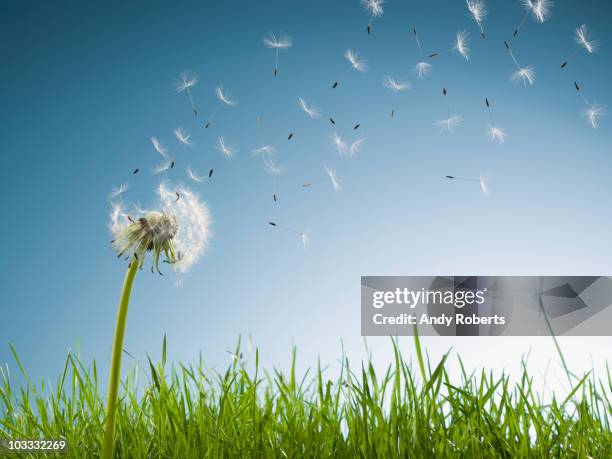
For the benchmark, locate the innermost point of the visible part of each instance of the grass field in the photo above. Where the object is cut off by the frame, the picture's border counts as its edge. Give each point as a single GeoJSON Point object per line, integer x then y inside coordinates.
{"type": "Point", "coordinates": [414, 409]}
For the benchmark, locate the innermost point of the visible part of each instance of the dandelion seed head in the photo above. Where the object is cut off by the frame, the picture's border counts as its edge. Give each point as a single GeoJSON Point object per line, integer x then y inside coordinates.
{"type": "Point", "coordinates": [497, 134]}
{"type": "Point", "coordinates": [373, 7]}
{"type": "Point", "coordinates": [541, 9]}
{"type": "Point", "coordinates": [477, 9]}
{"type": "Point", "coordinates": [353, 59]}
{"type": "Point", "coordinates": [224, 97]}
{"type": "Point", "coordinates": [282, 42]}
{"type": "Point", "coordinates": [225, 148]}
{"type": "Point", "coordinates": [593, 114]}
{"type": "Point", "coordinates": [422, 69]}
{"type": "Point", "coordinates": [186, 80]}
{"type": "Point", "coordinates": [449, 124]}
{"type": "Point", "coordinates": [310, 111]}
{"type": "Point", "coordinates": [462, 44]}
{"type": "Point", "coordinates": [581, 35]}
{"type": "Point", "coordinates": [395, 85]}
{"type": "Point", "coordinates": [525, 75]}
{"type": "Point", "coordinates": [182, 136]}
{"type": "Point", "coordinates": [331, 173]}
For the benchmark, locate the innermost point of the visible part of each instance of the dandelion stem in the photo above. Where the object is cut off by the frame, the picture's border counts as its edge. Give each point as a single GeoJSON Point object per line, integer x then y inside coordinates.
{"type": "Point", "coordinates": [115, 373]}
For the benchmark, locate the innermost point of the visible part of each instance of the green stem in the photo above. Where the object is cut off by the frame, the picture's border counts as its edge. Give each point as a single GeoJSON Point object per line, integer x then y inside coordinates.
{"type": "Point", "coordinates": [115, 372]}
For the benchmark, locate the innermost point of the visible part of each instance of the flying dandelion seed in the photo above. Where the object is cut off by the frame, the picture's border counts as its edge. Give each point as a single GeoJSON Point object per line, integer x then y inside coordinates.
{"type": "Point", "coordinates": [264, 150]}
{"type": "Point", "coordinates": [271, 167]}
{"type": "Point", "coordinates": [581, 37]}
{"type": "Point", "coordinates": [284, 42]}
{"type": "Point", "coordinates": [310, 111]}
{"type": "Point", "coordinates": [339, 144]}
{"type": "Point", "coordinates": [183, 137]}
{"type": "Point", "coordinates": [159, 147]}
{"type": "Point", "coordinates": [496, 134]}
{"type": "Point", "coordinates": [117, 191]}
{"type": "Point", "coordinates": [462, 44]}
{"type": "Point", "coordinates": [176, 230]}
{"type": "Point", "coordinates": [395, 85]}
{"type": "Point", "coordinates": [483, 184]}
{"type": "Point", "coordinates": [225, 99]}
{"type": "Point", "coordinates": [353, 58]}
{"type": "Point", "coordinates": [374, 8]}
{"type": "Point", "coordinates": [478, 12]}
{"type": "Point", "coordinates": [135, 171]}
{"type": "Point", "coordinates": [355, 147]}
{"type": "Point", "coordinates": [449, 124]}
{"type": "Point", "coordinates": [332, 121]}
{"type": "Point", "coordinates": [194, 176]}
{"type": "Point", "coordinates": [163, 167]}
{"type": "Point", "coordinates": [331, 173]}
{"type": "Point", "coordinates": [304, 237]}
{"type": "Point", "coordinates": [594, 113]}
{"type": "Point", "coordinates": [525, 75]}
{"type": "Point", "coordinates": [482, 181]}
{"type": "Point", "coordinates": [225, 148]}
{"type": "Point", "coordinates": [422, 69]}
{"type": "Point", "coordinates": [290, 136]}
{"type": "Point", "coordinates": [539, 9]}
{"type": "Point", "coordinates": [186, 81]}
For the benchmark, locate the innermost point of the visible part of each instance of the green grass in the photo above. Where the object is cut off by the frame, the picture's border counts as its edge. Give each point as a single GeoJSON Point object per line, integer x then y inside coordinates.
{"type": "Point", "coordinates": [186, 411]}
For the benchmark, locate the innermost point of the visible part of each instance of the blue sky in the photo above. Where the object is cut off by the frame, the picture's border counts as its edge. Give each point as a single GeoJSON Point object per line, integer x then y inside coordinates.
{"type": "Point", "coordinates": [84, 87]}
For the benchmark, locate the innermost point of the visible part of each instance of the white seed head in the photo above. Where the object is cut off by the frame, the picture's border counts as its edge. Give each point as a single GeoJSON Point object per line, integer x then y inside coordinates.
{"type": "Point", "coordinates": [525, 75]}
{"type": "Point", "coordinates": [353, 59]}
{"type": "Point", "coordinates": [339, 144]}
{"type": "Point", "coordinates": [373, 7]}
{"type": "Point", "coordinates": [477, 9]}
{"type": "Point", "coordinates": [497, 134]}
{"type": "Point", "coordinates": [593, 113]}
{"type": "Point", "coordinates": [225, 97]}
{"type": "Point", "coordinates": [182, 136]}
{"type": "Point", "coordinates": [449, 124]}
{"type": "Point", "coordinates": [186, 80]}
{"type": "Point", "coordinates": [395, 85]}
{"type": "Point", "coordinates": [283, 42]}
{"type": "Point", "coordinates": [422, 69]}
{"type": "Point", "coordinates": [540, 9]}
{"type": "Point", "coordinates": [462, 44]}
{"type": "Point", "coordinates": [581, 35]}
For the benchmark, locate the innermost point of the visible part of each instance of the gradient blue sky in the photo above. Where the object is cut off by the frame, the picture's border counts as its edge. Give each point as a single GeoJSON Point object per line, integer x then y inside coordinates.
{"type": "Point", "coordinates": [84, 87]}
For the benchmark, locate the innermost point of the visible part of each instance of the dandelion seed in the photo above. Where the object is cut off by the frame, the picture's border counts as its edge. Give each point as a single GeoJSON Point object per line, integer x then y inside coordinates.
{"type": "Point", "coordinates": [355, 147]}
{"type": "Point", "coordinates": [135, 171]}
{"type": "Point", "coordinates": [395, 85]}
{"type": "Point", "coordinates": [374, 8]}
{"type": "Point", "coordinates": [304, 237]}
{"type": "Point", "coordinates": [264, 150]}
{"type": "Point", "coordinates": [497, 134]}
{"type": "Point", "coordinates": [282, 43]}
{"type": "Point", "coordinates": [449, 124]}
{"type": "Point", "coordinates": [159, 147]}
{"type": "Point", "coordinates": [331, 173]}
{"type": "Point", "coordinates": [353, 59]}
{"type": "Point", "coordinates": [187, 81]}
{"type": "Point", "coordinates": [225, 148]}
{"type": "Point", "coordinates": [290, 136]}
{"type": "Point", "coordinates": [339, 144]}
{"type": "Point", "coordinates": [594, 113]}
{"type": "Point", "coordinates": [482, 181]}
{"type": "Point", "coordinates": [332, 121]}
{"type": "Point", "coordinates": [117, 191]}
{"type": "Point", "coordinates": [310, 111]}
{"type": "Point", "coordinates": [271, 166]}
{"type": "Point", "coordinates": [581, 36]}
{"type": "Point", "coordinates": [462, 44]}
{"type": "Point", "coordinates": [210, 173]}
{"type": "Point", "coordinates": [483, 184]}
{"type": "Point", "coordinates": [224, 97]}
{"type": "Point", "coordinates": [182, 136]}
{"type": "Point", "coordinates": [525, 75]}
{"type": "Point", "coordinates": [539, 9]}
{"type": "Point", "coordinates": [478, 11]}
{"type": "Point", "coordinates": [422, 69]}
{"type": "Point", "coordinates": [356, 127]}
{"type": "Point", "coordinates": [163, 167]}
{"type": "Point", "coordinates": [194, 176]}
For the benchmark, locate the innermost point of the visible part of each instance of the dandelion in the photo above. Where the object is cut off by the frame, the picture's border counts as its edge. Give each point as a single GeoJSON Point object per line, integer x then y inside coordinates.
{"type": "Point", "coordinates": [478, 11]}
{"type": "Point", "coordinates": [353, 58]}
{"type": "Point", "coordinates": [482, 181]}
{"type": "Point", "coordinates": [525, 75]}
{"type": "Point", "coordinates": [284, 42]}
{"type": "Point", "coordinates": [117, 191]}
{"type": "Point", "coordinates": [264, 150]}
{"type": "Point", "coordinates": [539, 9]}
{"type": "Point", "coordinates": [593, 111]}
{"type": "Point", "coordinates": [462, 44]}
{"type": "Point", "coordinates": [374, 8]}
{"type": "Point", "coordinates": [303, 235]}
{"type": "Point", "coordinates": [339, 144]}
{"type": "Point", "coordinates": [159, 147]}
{"type": "Point", "coordinates": [225, 99]}
{"type": "Point", "coordinates": [331, 173]}
{"type": "Point", "coordinates": [225, 148]}
{"type": "Point", "coordinates": [177, 230]}
{"type": "Point", "coordinates": [581, 37]}
{"type": "Point", "coordinates": [310, 111]}
{"type": "Point", "coordinates": [422, 69]}
{"type": "Point", "coordinates": [183, 137]}
{"type": "Point", "coordinates": [187, 81]}
{"type": "Point", "coordinates": [193, 175]}
{"type": "Point", "coordinates": [496, 134]}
